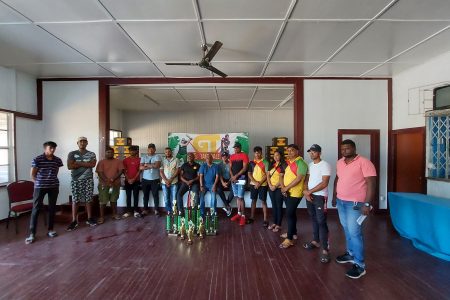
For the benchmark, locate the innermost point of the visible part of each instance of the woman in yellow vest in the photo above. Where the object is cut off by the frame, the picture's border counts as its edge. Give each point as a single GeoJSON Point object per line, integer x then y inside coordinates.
{"type": "Point", "coordinates": [292, 190]}
{"type": "Point", "coordinates": [275, 181]}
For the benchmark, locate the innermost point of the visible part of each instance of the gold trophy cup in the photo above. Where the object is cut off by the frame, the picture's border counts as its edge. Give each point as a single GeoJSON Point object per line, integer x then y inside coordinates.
{"type": "Point", "coordinates": [190, 233]}
{"type": "Point", "coordinates": [182, 229]}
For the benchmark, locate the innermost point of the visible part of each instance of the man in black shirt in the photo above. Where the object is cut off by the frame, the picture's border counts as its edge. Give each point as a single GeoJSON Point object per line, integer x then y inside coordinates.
{"type": "Point", "coordinates": [189, 181]}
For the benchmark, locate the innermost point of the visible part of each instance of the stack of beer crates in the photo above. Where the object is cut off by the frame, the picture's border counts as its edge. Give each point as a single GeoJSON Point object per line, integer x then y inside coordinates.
{"type": "Point", "coordinates": [122, 147]}
{"type": "Point", "coordinates": [280, 143]}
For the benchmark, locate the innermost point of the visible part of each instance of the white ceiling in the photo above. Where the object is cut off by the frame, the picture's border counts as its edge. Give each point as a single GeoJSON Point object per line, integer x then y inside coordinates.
{"type": "Point", "coordinates": [205, 97]}
{"type": "Point", "coordinates": [135, 38]}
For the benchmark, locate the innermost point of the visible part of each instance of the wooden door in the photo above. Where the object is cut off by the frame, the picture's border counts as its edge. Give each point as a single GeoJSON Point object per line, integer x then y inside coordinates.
{"type": "Point", "coordinates": [368, 145]}
{"type": "Point", "coordinates": [409, 160]}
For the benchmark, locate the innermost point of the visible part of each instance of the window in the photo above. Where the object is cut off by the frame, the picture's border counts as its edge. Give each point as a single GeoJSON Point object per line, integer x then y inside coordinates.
{"type": "Point", "coordinates": [6, 148]}
{"type": "Point", "coordinates": [438, 140]}
{"type": "Point", "coordinates": [113, 134]}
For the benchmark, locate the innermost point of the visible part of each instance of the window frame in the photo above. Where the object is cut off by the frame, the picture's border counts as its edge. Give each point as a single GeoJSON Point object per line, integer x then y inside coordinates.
{"type": "Point", "coordinates": [9, 147]}
{"type": "Point", "coordinates": [112, 135]}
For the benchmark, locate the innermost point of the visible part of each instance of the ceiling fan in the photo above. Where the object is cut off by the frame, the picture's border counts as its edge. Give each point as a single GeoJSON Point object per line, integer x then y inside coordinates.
{"type": "Point", "coordinates": [206, 60]}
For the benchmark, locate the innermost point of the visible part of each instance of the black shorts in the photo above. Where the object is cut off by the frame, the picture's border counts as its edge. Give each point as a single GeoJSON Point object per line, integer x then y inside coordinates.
{"type": "Point", "coordinates": [259, 193]}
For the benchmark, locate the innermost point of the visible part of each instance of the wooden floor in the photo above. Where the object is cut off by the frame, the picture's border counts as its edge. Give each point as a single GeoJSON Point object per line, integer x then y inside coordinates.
{"type": "Point", "coordinates": [134, 259]}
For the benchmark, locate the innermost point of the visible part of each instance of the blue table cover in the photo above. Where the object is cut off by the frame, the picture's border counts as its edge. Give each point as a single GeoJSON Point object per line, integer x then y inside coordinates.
{"type": "Point", "coordinates": [423, 219]}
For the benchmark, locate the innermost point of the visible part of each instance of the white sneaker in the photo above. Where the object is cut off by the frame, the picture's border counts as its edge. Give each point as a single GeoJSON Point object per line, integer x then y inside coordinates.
{"type": "Point", "coordinates": [30, 239]}
{"type": "Point", "coordinates": [126, 215]}
{"type": "Point", "coordinates": [137, 215]}
{"type": "Point", "coordinates": [52, 234]}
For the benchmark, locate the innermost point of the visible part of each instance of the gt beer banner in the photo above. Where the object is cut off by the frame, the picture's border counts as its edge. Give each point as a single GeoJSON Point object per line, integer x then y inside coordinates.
{"type": "Point", "coordinates": [202, 144]}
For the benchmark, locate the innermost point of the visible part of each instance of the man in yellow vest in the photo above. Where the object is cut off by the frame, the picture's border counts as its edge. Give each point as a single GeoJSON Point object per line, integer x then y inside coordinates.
{"type": "Point", "coordinates": [292, 190]}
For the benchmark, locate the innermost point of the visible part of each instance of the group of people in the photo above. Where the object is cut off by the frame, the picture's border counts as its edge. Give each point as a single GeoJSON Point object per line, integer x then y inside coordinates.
{"type": "Point", "coordinates": [286, 181]}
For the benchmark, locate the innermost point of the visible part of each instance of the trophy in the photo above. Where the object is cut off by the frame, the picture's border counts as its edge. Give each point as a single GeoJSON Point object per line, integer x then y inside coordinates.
{"type": "Point", "coordinates": [201, 229]}
{"type": "Point", "coordinates": [211, 222]}
{"type": "Point", "coordinates": [182, 229]}
{"type": "Point", "coordinates": [173, 222]}
{"type": "Point", "coordinates": [190, 233]}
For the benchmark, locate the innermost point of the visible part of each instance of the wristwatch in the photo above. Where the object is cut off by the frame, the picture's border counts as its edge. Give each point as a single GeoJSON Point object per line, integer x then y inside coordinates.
{"type": "Point", "coordinates": [367, 204]}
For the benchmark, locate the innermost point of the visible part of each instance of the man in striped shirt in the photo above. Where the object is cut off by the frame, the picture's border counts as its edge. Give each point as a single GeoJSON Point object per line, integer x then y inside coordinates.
{"type": "Point", "coordinates": [44, 174]}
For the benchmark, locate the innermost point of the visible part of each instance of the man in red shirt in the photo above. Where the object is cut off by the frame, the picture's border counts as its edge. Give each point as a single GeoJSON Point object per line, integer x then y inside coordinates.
{"type": "Point", "coordinates": [132, 173]}
{"type": "Point", "coordinates": [354, 189]}
{"type": "Point", "coordinates": [238, 168]}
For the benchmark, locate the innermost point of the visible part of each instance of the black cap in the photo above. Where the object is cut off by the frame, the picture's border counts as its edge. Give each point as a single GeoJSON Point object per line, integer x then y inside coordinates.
{"type": "Point", "coordinates": [237, 145]}
{"type": "Point", "coordinates": [315, 148]}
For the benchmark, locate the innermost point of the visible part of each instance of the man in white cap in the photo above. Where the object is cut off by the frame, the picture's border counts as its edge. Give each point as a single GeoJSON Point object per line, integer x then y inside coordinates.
{"type": "Point", "coordinates": [81, 162]}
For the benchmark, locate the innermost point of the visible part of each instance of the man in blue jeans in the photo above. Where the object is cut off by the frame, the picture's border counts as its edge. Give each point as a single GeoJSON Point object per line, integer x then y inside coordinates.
{"type": "Point", "coordinates": [354, 188]}
{"type": "Point", "coordinates": [209, 178]}
{"type": "Point", "coordinates": [170, 168]}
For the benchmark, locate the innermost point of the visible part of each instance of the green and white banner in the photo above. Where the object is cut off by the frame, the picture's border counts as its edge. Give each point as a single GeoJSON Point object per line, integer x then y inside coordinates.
{"type": "Point", "coordinates": [202, 144]}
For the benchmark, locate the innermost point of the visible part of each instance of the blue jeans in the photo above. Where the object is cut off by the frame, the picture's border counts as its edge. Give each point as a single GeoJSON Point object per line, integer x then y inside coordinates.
{"type": "Point", "coordinates": [166, 191]}
{"type": "Point", "coordinates": [238, 190]}
{"type": "Point", "coordinates": [212, 199]}
{"type": "Point", "coordinates": [353, 231]}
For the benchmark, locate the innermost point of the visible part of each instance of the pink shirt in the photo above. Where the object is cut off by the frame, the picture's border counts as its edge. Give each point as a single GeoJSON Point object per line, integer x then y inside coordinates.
{"type": "Point", "coordinates": [351, 185]}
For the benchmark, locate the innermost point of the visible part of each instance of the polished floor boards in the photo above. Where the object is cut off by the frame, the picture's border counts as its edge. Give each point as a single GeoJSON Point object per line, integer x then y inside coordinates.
{"type": "Point", "coordinates": [134, 259]}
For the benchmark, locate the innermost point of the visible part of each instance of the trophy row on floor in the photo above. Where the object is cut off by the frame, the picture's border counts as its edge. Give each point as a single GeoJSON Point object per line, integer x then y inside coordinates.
{"type": "Point", "coordinates": [191, 223]}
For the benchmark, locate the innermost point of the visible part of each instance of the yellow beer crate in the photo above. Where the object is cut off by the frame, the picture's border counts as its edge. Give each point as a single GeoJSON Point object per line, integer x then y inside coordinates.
{"type": "Point", "coordinates": [122, 141]}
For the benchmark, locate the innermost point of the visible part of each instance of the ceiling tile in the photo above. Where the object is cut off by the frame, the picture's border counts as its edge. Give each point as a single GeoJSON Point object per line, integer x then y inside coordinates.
{"type": "Point", "coordinates": [433, 47]}
{"type": "Point", "coordinates": [104, 43]}
{"type": "Point", "coordinates": [248, 9]}
{"type": "Point", "coordinates": [235, 93]}
{"type": "Point", "coordinates": [344, 69]}
{"type": "Point", "coordinates": [384, 39]}
{"type": "Point", "coordinates": [239, 68]}
{"type": "Point", "coordinates": [264, 104]}
{"type": "Point", "coordinates": [162, 95]}
{"type": "Point", "coordinates": [234, 104]}
{"type": "Point", "coordinates": [272, 94]}
{"type": "Point", "coordinates": [183, 71]}
{"type": "Point", "coordinates": [167, 41]}
{"type": "Point", "coordinates": [59, 10]}
{"type": "Point", "coordinates": [242, 40]}
{"type": "Point", "coordinates": [64, 70]}
{"type": "Point", "coordinates": [150, 9]}
{"type": "Point", "coordinates": [204, 104]}
{"type": "Point", "coordinates": [419, 10]}
{"type": "Point", "coordinates": [342, 9]}
{"type": "Point", "coordinates": [21, 44]}
{"type": "Point", "coordinates": [198, 94]}
{"type": "Point", "coordinates": [291, 68]}
{"type": "Point", "coordinates": [389, 70]}
{"type": "Point", "coordinates": [133, 69]}
{"type": "Point", "coordinates": [8, 15]}
{"type": "Point", "coordinates": [313, 41]}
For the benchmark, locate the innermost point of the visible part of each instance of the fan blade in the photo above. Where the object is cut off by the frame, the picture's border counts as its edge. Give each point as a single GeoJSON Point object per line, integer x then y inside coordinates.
{"type": "Point", "coordinates": [182, 64]}
{"type": "Point", "coordinates": [218, 72]}
{"type": "Point", "coordinates": [213, 51]}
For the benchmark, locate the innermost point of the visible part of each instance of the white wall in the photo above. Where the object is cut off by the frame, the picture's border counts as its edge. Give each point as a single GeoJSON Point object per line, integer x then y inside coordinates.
{"type": "Point", "coordinates": [146, 127]}
{"type": "Point", "coordinates": [115, 119]}
{"type": "Point", "coordinates": [70, 110]}
{"type": "Point", "coordinates": [433, 72]}
{"type": "Point", "coordinates": [346, 104]}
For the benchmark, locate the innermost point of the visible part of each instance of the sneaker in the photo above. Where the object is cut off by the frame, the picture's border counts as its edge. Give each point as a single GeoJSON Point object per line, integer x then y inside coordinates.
{"type": "Point", "coordinates": [250, 221]}
{"type": "Point", "coordinates": [229, 212]}
{"type": "Point", "coordinates": [344, 258]}
{"type": "Point", "coordinates": [91, 222]}
{"type": "Point", "coordinates": [137, 215]}
{"type": "Point", "coordinates": [355, 272]}
{"type": "Point", "coordinates": [126, 215]}
{"type": "Point", "coordinates": [52, 234]}
{"type": "Point", "coordinates": [30, 239]}
{"type": "Point", "coordinates": [72, 226]}
{"type": "Point", "coordinates": [242, 221]}
{"type": "Point", "coordinates": [237, 218]}
{"type": "Point", "coordinates": [225, 210]}
{"type": "Point", "coordinates": [144, 212]}
{"type": "Point", "coordinates": [156, 213]}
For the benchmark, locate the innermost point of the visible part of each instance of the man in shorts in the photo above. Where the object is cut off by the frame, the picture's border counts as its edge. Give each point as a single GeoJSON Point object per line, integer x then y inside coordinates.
{"type": "Point", "coordinates": [80, 162]}
{"type": "Point", "coordinates": [238, 169]}
{"type": "Point", "coordinates": [109, 171]}
{"type": "Point", "coordinates": [258, 183]}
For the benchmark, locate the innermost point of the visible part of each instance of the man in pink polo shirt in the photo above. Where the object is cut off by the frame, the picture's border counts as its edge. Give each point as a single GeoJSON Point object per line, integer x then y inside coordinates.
{"type": "Point", "coordinates": [354, 188]}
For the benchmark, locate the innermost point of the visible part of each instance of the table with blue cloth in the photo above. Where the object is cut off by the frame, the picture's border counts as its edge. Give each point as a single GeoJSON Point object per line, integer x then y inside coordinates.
{"type": "Point", "coordinates": [423, 219]}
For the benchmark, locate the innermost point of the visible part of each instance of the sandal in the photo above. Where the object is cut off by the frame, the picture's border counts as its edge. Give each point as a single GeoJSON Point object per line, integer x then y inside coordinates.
{"type": "Point", "coordinates": [100, 220]}
{"type": "Point", "coordinates": [284, 236]}
{"type": "Point", "coordinates": [310, 246]}
{"type": "Point", "coordinates": [116, 217]}
{"type": "Point", "coordinates": [324, 258]}
{"type": "Point", "coordinates": [271, 227]}
{"type": "Point", "coordinates": [276, 229]}
{"type": "Point", "coordinates": [286, 244]}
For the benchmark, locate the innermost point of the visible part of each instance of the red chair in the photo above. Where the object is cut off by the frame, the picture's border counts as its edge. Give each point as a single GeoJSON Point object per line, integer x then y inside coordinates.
{"type": "Point", "coordinates": [20, 194]}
